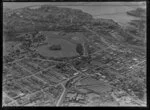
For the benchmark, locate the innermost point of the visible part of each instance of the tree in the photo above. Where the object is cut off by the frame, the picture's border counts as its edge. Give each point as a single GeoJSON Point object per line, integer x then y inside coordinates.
{"type": "Point", "coordinates": [79, 49]}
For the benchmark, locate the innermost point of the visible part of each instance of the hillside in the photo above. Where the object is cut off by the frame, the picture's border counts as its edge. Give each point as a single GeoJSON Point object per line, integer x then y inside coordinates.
{"type": "Point", "coordinates": [43, 18]}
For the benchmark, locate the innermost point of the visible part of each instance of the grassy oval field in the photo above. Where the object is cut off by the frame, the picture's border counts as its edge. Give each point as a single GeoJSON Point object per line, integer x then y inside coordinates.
{"type": "Point", "coordinates": [68, 49]}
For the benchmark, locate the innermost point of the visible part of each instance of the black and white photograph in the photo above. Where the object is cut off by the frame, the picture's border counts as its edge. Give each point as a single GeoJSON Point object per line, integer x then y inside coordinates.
{"type": "Point", "coordinates": [66, 54]}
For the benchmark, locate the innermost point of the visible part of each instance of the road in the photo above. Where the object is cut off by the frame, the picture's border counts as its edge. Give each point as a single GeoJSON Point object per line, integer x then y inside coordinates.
{"type": "Point", "coordinates": [62, 96]}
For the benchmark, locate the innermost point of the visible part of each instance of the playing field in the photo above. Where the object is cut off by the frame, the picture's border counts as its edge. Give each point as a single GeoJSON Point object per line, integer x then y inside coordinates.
{"type": "Point", "coordinates": [68, 49]}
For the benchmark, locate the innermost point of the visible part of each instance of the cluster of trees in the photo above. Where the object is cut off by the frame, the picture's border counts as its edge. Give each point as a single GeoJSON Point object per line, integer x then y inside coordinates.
{"type": "Point", "coordinates": [79, 49]}
{"type": "Point", "coordinates": [55, 47]}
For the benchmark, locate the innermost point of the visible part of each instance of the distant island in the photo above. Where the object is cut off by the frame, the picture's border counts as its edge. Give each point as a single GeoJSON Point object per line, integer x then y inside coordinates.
{"type": "Point", "coordinates": [139, 12]}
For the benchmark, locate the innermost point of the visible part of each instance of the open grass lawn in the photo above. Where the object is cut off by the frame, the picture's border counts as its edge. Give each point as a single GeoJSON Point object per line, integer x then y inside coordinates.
{"type": "Point", "coordinates": [68, 49]}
